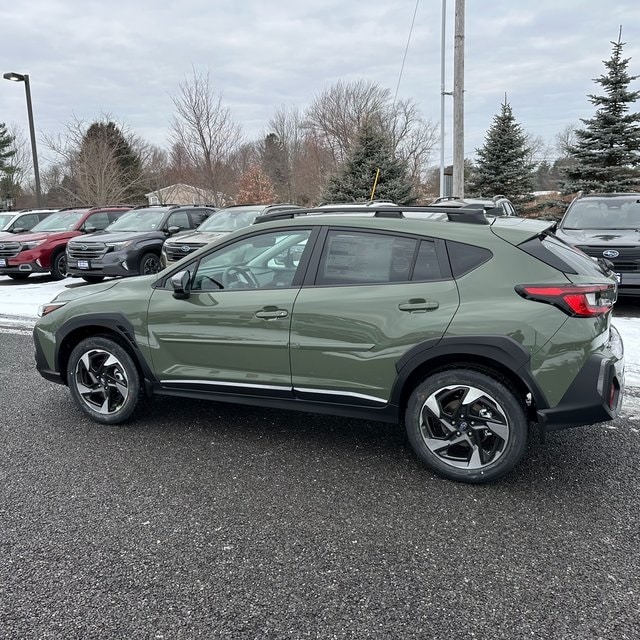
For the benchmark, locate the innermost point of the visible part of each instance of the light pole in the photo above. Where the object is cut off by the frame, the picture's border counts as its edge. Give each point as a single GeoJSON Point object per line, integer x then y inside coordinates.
{"type": "Point", "coordinates": [23, 77]}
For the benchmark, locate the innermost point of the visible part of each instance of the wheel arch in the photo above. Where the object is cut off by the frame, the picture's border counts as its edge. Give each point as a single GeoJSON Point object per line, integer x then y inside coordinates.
{"type": "Point", "coordinates": [112, 326]}
{"type": "Point", "coordinates": [497, 356]}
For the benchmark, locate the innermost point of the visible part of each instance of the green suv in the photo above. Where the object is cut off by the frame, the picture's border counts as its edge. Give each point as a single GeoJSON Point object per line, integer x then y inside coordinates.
{"type": "Point", "coordinates": [464, 329]}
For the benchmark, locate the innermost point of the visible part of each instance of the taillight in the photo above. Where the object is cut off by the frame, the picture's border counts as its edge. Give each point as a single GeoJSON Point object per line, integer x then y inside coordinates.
{"type": "Point", "coordinates": [578, 300]}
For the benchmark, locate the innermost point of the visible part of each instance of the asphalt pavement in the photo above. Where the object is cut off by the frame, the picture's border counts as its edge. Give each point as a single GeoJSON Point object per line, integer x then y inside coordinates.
{"type": "Point", "coordinates": [205, 520]}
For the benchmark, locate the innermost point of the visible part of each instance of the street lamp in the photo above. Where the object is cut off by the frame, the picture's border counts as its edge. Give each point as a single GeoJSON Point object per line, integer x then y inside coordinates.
{"type": "Point", "coordinates": [20, 77]}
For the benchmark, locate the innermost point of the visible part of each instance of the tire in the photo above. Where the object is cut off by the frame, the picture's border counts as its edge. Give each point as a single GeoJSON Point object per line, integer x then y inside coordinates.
{"type": "Point", "coordinates": [466, 425]}
{"type": "Point", "coordinates": [93, 279]}
{"type": "Point", "coordinates": [59, 266]}
{"type": "Point", "coordinates": [19, 276]}
{"type": "Point", "coordinates": [104, 380]}
{"type": "Point", "coordinates": [149, 263]}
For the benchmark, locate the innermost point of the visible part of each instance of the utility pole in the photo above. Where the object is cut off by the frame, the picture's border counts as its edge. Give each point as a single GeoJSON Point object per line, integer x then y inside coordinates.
{"type": "Point", "coordinates": [458, 102]}
{"type": "Point", "coordinates": [443, 93]}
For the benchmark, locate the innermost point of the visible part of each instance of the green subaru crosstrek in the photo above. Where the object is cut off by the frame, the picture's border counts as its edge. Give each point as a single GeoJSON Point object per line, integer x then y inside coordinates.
{"type": "Point", "coordinates": [462, 328]}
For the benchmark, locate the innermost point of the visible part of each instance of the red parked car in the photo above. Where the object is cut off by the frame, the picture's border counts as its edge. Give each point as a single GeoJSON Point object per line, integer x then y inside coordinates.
{"type": "Point", "coordinates": [42, 250]}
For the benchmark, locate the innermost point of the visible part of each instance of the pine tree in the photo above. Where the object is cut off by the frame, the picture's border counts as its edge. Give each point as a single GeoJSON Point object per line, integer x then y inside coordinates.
{"type": "Point", "coordinates": [275, 166]}
{"type": "Point", "coordinates": [354, 181]}
{"type": "Point", "coordinates": [106, 139]}
{"type": "Point", "coordinates": [7, 151]}
{"type": "Point", "coordinates": [503, 164]}
{"type": "Point", "coordinates": [607, 150]}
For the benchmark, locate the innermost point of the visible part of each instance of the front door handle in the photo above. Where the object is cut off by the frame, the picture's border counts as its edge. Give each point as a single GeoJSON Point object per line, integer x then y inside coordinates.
{"type": "Point", "coordinates": [272, 313]}
{"type": "Point", "coordinates": [418, 305]}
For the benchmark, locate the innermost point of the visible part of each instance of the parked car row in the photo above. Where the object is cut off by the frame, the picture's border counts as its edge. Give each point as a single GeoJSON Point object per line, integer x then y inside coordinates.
{"type": "Point", "coordinates": [463, 327]}
{"type": "Point", "coordinates": [97, 242]}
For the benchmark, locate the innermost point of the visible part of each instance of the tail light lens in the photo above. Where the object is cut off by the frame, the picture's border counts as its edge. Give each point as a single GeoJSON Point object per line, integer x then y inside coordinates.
{"type": "Point", "coordinates": [578, 300]}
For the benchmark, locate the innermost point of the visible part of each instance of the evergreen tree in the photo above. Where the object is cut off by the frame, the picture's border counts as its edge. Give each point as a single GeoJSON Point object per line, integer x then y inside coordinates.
{"type": "Point", "coordinates": [275, 165]}
{"type": "Point", "coordinates": [607, 150]}
{"type": "Point", "coordinates": [503, 164]}
{"type": "Point", "coordinates": [7, 151]}
{"type": "Point", "coordinates": [354, 181]}
{"type": "Point", "coordinates": [106, 142]}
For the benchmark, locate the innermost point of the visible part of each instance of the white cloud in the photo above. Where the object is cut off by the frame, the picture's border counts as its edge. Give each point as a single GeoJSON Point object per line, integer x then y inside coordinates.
{"type": "Point", "coordinates": [127, 57]}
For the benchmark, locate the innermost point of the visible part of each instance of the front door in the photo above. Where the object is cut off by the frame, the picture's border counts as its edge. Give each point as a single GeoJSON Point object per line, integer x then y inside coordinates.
{"type": "Point", "coordinates": [231, 334]}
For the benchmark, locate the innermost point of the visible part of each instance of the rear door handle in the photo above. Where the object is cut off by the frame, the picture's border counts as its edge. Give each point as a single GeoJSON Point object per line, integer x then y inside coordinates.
{"type": "Point", "coordinates": [272, 313]}
{"type": "Point", "coordinates": [418, 305]}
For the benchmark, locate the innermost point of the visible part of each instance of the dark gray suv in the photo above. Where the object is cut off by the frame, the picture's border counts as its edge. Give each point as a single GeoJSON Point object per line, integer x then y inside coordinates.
{"type": "Point", "coordinates": [607, 226]}
{"type": "Point", "coordinates": [131, 246]}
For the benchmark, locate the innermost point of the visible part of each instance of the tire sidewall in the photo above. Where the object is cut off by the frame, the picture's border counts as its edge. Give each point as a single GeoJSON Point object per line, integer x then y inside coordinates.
{"type": "Point", "coordinates": [58, 260]}
{"type": "Point", "coordinates": [505, 397]}
{"type": "Point", "coordinates": [146, 257]}
{"type": "Point", "coordinates": [131, 371]}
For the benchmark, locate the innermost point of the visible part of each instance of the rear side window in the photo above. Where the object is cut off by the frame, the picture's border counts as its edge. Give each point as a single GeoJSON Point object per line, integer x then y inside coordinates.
{"type": "Point", "coordinates": [466, 257]}
{"type": "Point", "coordinates": [365, 258]}
{"type": "Point", "coordinates": [97, 220]}
{"type": "Point", "coordinates": [427, 264]}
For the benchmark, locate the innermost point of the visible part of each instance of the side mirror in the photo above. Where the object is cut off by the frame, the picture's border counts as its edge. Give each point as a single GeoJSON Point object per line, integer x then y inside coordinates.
{"type": "Point", "coordinates": [18, 230]}
{"type": "Point", "coordinates": [90, 229]}
{"type": "Point", "coordinates": [173, 230]}
{"type": "Point", "coordinates": [181, 283]}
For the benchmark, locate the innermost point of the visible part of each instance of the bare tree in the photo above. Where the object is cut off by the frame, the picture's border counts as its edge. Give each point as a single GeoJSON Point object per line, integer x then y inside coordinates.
{"type": "Point", "coordinates": [204, 129]}
{"type": "Point", "coordinates": [565, 141]}
{"type": "Point", "coordinates": [336, 116]}
{"type": "Point", "coordinates": [88, 169]}
{"type": "Point", "coordinates": [413, 138]}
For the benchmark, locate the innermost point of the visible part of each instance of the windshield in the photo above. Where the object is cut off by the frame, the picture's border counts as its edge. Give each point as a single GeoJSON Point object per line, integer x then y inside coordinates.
{"type": "Point", "coordinates": [61, 221]}
{"type": "Point", "coordinates": [229, 220]}
{"type": "Point", "coordinates": [605, 213]}
{"type": "Point", "coordinates": [139, 220]}
{"type": "Point", "coordinates": [5, 219]}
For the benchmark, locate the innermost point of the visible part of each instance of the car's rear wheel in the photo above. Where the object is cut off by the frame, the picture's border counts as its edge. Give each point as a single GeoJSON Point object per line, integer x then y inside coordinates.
{"type": "Point", "coordinates": [149, 263]}
{"type": "Point", "coordinates": [103, 380]}
{"type": "Point", "coordinates": [59, 266]}
{"type": "Point", "coordinates": [466, 425]}
{"type": "Point", "coordinates": [19, 276]}
{"type": "Point", "coordinates": [93, 279]}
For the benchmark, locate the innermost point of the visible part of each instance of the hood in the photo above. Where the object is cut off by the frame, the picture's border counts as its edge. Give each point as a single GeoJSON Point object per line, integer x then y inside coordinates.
{"type": "Point", "coordinates": [597, 237]}
{"type": "Point", "coordinates": [122, 236]}
{"type": "Point", "coordinates": [82, 290]}
{"type": "Point", "coordinates": [197, 237]}
{"type": "Point", "coordinates": [43, 235]}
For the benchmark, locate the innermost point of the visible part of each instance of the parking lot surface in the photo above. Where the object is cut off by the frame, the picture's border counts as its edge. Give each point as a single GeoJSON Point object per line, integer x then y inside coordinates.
{"type": "Point", "coordinates": [220, 521]}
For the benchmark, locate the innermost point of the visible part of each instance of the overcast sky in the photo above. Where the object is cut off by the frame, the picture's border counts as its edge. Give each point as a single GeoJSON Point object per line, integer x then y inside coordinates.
{"type": "Point", "coordinates": [127, 58]}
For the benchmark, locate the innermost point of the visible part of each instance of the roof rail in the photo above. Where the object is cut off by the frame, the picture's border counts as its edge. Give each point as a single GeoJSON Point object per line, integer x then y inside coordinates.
{"type": "Point", "coordinates": [151, 206]}
{"type": "Point", "coordinates": [468, 215]}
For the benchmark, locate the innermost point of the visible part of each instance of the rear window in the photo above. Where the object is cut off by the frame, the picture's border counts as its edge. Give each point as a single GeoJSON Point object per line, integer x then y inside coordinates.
{"type": "Point", "coordinates": [560, 255]}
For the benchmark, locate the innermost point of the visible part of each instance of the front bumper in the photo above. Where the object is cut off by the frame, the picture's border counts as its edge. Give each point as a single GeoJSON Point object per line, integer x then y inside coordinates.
{"type": "Point", "coordinates": [13, 266]}
{"type": "Point", "coordinates": [109, 265]}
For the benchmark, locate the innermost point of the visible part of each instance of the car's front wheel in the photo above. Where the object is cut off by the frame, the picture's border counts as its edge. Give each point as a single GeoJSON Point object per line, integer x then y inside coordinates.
{"type": "Point", "coordinates": [149, 263]}
{"type": "Point", "coordinates": [466, 425]}
{"type": "Point", "coordinates": [59, 266]}
{"type": "Point", "coordinates": [103, 380]}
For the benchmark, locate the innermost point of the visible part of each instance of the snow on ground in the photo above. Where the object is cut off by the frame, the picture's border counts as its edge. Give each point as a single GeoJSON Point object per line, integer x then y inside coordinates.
{"type": "Point", "coordinates": [19, 304]}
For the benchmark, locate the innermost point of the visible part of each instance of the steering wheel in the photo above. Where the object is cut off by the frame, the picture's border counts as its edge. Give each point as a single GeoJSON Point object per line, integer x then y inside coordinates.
{"type": "Point", "coordinates": [241, 277]}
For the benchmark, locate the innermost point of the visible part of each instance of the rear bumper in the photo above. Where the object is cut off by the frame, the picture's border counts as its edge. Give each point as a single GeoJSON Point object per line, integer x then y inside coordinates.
{"type": "Point", "coordinates": [594, 396]}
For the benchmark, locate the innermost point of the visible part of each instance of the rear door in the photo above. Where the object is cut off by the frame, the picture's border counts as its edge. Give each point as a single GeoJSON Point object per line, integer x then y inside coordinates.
{"type": "Point", "coordinates": [373, 296]}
